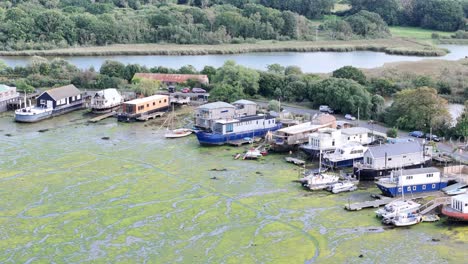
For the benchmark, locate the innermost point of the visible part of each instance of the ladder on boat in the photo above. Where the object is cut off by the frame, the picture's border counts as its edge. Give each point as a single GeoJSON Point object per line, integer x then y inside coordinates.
{"type": "Point", "coordinates": [428, 207]}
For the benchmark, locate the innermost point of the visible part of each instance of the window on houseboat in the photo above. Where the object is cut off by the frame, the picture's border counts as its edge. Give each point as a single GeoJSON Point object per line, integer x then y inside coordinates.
{"type": "Point", "coordinates": [154, 103]}
{"type": "Point", "coordinates": [165, 100]}
{"type": "Point", "coordinates": [424, 187]}
{"type": "Point", "coordinates": [389, 159]}
{"type": "Point", "coordinates": [433, 186]}
{"type": "Point", "coordinates": [414, 188]}
{"type": "Point", "coordinates": [409, 188]}
{"type": "Point", "coordinates": [229, 128]}
{"type": "Point", "coordinates": [399, 189]}
{"type": "Point", "coordinates": [218, 128]}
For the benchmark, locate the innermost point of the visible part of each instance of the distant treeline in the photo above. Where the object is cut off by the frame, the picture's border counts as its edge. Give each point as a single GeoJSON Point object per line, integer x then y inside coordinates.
{"type": "Point", "coordinates": [41, 24]}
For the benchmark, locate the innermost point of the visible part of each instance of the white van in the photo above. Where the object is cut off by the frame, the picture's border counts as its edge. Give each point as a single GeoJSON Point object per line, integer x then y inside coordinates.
{"type": "Point", "coordinates": [324, 108]}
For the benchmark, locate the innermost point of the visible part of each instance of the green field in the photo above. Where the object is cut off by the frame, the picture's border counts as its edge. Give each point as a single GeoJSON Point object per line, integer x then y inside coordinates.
{"type": "Point", "coordinates": [417, 33]}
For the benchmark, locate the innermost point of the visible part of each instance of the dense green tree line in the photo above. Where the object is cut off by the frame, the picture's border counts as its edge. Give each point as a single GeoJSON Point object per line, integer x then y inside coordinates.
{"type": "Point", "coordinates": [447, 15]}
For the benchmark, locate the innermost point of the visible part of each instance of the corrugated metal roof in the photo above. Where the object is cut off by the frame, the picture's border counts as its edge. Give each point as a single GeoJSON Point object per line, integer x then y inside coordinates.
{"type": "Point", "coordinates": [461, 197]}
{"type": "Point", "coordinates": [63, 92]}
{"type": "Point", "coordinates": [173, 78]}
{"type": "Point", "coordinates": [149, 98]}
{"type": "Point", "coordinates": [244, 102]}
{"type": "Point", "coordinates": [416, 171]}
{"type": "Point", "coordinates": [216, 105]}
{"type": "Point", "coordinates": [301, 128]}
{"type": "Point", "coordinates": [395, 149]}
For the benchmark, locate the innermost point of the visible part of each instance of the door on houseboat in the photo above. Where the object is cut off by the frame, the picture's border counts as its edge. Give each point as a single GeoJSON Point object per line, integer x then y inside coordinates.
{"type": "Point", "coordinates": [50, 104]}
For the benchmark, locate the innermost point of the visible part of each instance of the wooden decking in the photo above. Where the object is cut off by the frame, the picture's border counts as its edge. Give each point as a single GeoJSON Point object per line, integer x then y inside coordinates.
{"type": "Point", "coordinates": [101, 117]}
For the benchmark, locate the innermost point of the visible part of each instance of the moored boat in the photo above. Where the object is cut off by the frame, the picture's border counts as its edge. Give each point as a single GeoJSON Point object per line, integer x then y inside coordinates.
{"type": "Point", "coordinates": [458, 208]}
{"type": "Point", "coordinates": [320, 181]}
{"type": "Point", "coordinates": [346, 186]}
{"type": "Point", "coordinates": [345, 156]}
{"type": "Point", "coordinates": [178, 133]}
{"type": "Point", "coordinates": [390, 210]}
{"type": "Point", "coordinates": [106, 101]}
{"type": "Point", "coordinates": [134, 109]}
{"type": "Point", "coordinates": [232, 129]}
{"type": "Point", "coordinates": [406, 219]}
{"type": "Point", "coordinates": [412, 181]}
{"type": "Point", "coordinates": [50, 103]}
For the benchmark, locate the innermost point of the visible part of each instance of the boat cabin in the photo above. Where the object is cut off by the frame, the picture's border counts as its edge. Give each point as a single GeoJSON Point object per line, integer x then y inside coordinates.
{"type": "Point", "coordinates": [60, 97]}
{"type": "Point", "coordinates": [7, 94]}
{"type": "Point", "coordinates": [206, 114]}
{"type": "Point", "coordinates": [396, 155]}
{"type": "Point", "coordinates": [245, 107]}
{"type": "Point", "coordinates": [325, 139]}
{"type": "Point", "coordinates": [460, 203]}
{"type": "Point", "coordinates": [145, 105]}
{"type": "Point", "coordinates": [242, 124]}
{"type": "Point", "coordinates": [106, 98]}
{"type": "Point", "coordinates": [299, 134]}
{"type": "Point", "coordinates": [356, 134]}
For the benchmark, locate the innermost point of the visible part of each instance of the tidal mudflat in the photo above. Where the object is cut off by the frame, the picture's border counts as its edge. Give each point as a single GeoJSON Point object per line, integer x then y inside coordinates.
{"type": "Point", "coordinates": [70, 196]}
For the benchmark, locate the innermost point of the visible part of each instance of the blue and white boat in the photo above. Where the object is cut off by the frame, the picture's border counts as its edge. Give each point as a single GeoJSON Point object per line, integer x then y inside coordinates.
{"type": "Point", "coordinates": [344, 156]}
{"type": "Point", "coordinates": [412, 181]}
{"type": "Point", "coordinates": [225, 130]}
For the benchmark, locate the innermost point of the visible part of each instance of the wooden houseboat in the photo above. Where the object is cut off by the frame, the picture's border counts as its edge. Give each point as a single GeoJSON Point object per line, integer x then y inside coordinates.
{"type": "Point", "coordinates": [53, 102]}
{"type": "Point", "coordinates": [134, 109]}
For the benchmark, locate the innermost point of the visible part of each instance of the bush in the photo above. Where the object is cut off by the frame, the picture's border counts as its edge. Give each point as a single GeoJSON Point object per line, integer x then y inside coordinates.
{"type": "Point", "coordinates": [392, 132]}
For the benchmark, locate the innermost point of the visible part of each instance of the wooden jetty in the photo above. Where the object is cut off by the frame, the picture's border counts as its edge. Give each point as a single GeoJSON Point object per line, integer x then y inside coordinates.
{"type": "Point", "coordinates": [150, 116]}
{"type": "Point", "coordinates": [295, 161]}
{"type": "Point", "coordinates": [240, 142]}
{"type": "Point", "coordinates": [101, 117]}
{"type": "Point", "coordinates": [383, 200]}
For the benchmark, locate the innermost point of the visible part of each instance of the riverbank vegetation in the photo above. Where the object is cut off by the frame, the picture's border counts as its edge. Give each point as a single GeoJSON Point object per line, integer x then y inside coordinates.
{"type": "Point", "coordinates": [44, 25]}
{"type": "Point", "coordinates": [347, 90]}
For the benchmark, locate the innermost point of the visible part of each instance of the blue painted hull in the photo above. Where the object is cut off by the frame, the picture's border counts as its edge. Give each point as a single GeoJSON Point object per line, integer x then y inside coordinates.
{"type": "Point", "coordinates": [206, 138]}
{"type": "Point", "coordinates": [408, 189]}
{"type": "Point", "coordinates": [341, 163]}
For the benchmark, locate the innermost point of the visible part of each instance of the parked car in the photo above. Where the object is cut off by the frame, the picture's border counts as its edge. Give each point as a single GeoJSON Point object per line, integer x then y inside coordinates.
{"type": "Point", "coordinates": [198, 90]}
{"type": "Point", "coordinates": [349, 117]}
{"type": "Point", "coordinates": [418, 134]}
{"type": "Point", "coordinates": [185, 90]}
{"type": "Point", "coordinates": [171, 89]}
{"type": "Point", "coordinates": [432, 137]}
{"type": "Point", "coordinates": [324, 108]}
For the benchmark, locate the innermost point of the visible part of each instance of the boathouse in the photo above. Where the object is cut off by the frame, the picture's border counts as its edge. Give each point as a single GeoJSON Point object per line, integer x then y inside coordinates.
{"type": "Point", "coordinates": [59, 97]}
{"type": "Point", "coordinates": [173, 79]}
{"type": "Point", "coordinates": [7, 94]}
{"type": "Point", "coordinates": [206, 114]}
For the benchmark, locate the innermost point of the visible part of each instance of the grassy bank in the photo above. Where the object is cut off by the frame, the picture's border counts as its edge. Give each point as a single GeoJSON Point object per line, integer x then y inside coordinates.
{"type": "Point", "coordinates": [398, 46]}
{"type": "Point", "coordinates": [417, 33]}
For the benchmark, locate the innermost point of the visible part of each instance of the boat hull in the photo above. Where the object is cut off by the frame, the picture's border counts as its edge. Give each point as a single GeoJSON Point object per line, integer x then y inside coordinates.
{"type": "Point", "coordinates": [418, 188]}
{"type": "Point", "coordinates": [452, 214]}
{"type": "Point", "coordinates": [22, 118]}
{"type": "Point", "coordinates": [367, 174]}
{"type": "Point", "coordinates": [206, 138]}
{"type": "Point", "coordinates": [96, 110]}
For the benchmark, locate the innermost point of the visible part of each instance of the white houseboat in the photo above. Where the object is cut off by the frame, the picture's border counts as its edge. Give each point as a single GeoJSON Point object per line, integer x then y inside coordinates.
{"type": "Point", "coordinates": [106, 101]}
{"type": "Point", "coordinates": [458, 208]}
{"type": "Point", "coordinates": [379, 161]}
{"type": "Point", "coordinates": [412, 181]}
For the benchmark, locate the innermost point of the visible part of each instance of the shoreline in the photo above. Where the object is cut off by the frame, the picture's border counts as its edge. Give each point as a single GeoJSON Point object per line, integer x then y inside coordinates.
{"type": "Point", "coordinates": [392, 46]}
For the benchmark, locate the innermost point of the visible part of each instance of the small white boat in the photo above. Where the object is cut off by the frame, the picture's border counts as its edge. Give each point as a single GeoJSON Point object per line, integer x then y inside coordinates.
{"type": "Point", "coordinates": [252, 154]}
{"type": "Point", "coordinates": [390, 210]}
{"type": "Point", "coordinates": [430, 218]}
{"type": "Point", "coordinates": [320, 181]}
{"type": "Point", "coordinates": [178, 133]}
{"type": "Point", "coordinates": [406, 219]}
{"type": "Point", "coordinates": [455, 192]}
{"type": "Point", "coordinates": [343, 187]}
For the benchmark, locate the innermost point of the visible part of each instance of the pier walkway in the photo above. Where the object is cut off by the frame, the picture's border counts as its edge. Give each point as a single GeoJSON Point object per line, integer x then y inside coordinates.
{"type": "Point", "coordinates": [101, 117]}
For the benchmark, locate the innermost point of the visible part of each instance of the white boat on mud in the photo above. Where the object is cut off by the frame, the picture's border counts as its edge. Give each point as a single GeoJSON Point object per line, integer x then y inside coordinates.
{"type": "Point", "coordinates": [320, 181]}
{"type": "Point", "coordinates": [392, 209]}
{"type": "Point", "coordinates": [252, 154]}
{"type": "Point", "coordinates": [343, 187]}
{"type": "Point", "coordinates": [178, 133]}
{"type": "Point", "coordinates": [406, 219]}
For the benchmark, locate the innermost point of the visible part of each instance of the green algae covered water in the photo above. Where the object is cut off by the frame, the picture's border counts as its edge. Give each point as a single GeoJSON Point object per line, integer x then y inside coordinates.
{"type": "Point", "coordinates": [68, 196]}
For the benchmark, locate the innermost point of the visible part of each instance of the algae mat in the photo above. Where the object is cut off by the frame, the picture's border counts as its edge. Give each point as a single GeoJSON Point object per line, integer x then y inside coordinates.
{"type": "Point", "coordinates": [68, 196]}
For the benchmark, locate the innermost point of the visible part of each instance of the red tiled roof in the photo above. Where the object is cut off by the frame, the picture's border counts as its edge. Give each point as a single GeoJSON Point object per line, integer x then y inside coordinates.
{"type": "Point", "coordinates": [173, 78]}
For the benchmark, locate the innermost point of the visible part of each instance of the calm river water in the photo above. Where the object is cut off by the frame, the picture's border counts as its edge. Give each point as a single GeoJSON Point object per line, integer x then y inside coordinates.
{"type": "Point", "coordinates": [316, 62]}
{"type": "Point", "coordinates": [68, 196]}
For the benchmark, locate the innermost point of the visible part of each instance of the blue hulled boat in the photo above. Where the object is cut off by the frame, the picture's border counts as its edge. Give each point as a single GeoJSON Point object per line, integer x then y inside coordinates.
{"type": "Point", "coordinates": [232, 129]}
{"type": "Point", "coordinates": [412, 181]}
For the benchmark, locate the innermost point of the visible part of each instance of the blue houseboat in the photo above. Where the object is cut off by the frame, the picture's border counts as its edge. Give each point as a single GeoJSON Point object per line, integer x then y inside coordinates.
{"type": "Point", "coordinates": [232, 129]}
{"type": "Point", "coordinates": [412, 181]}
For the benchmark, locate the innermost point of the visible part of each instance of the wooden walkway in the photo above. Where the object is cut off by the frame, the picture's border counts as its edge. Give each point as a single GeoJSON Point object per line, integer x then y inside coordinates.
{"type": "Point", "coordinates": [101, 117]}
